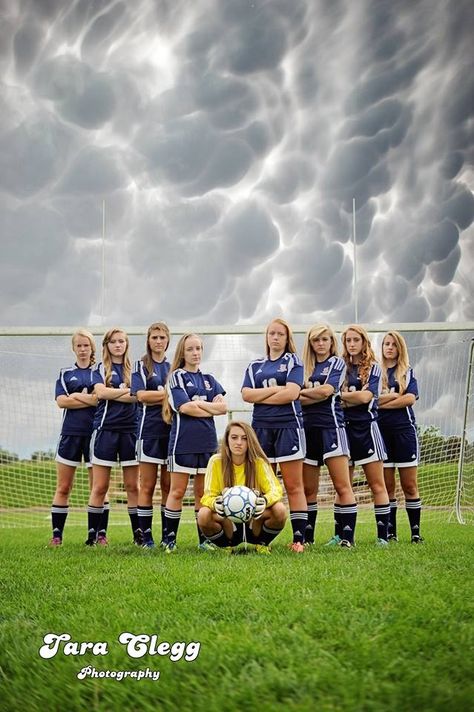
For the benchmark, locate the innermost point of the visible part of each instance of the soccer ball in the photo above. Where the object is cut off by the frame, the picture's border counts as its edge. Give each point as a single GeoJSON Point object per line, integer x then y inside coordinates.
{"type": "Point", "coordinates": [239, 503]}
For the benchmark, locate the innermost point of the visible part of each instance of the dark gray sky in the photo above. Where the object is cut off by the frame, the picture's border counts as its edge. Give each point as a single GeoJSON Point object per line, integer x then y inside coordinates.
{"type": "Point", "coordinates": [228, 139]}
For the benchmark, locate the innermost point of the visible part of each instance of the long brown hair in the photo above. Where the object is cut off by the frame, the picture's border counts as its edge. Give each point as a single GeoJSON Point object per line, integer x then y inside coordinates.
{"type": "Point", "coordinates": [309, 357]}
{"type": "Point", "coordinates": [290, 343]}
{"type": "Point", "coordinates": [402, 365]}
{"type": "Point", "coordinates": [107, 359]}
{"type": "Point", "coordinates": [178, 362]}
{"type": "Point", "coordinates": [253, 454]}
{"type": "Point", "coordinates": [367, 355]}
{"type": "Point", "coordinates": [86, 335]}
{"type": "Point", "coordinates": [147, 358]}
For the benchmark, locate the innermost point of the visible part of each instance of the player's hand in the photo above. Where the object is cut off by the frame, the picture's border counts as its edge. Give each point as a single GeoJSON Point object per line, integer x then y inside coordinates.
{"type": "Point", "coordinates": [260, 506]}
{"type": "Point", "coordinates": [219, 505]}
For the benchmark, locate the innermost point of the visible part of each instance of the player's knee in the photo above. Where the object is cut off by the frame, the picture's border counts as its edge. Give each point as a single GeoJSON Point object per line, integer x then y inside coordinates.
{"type": "Point", "coordinates": [378, 488]}
{"type": "Point", "coordinates": [177, 492]}
{"type": "Point", "coordinates": [146, 490]}
{"type": "Point", "coordinates": [293, 487]}
{"type": "Point", "coordinates": [410, 490]}
{"type": "Point", "coordinates": [64, 489]}
{"type": "Point", "coordinates": [99, 490]}
{"type": "Point", "coordinates": [204, 518]}
{"type": "Point", "coordinates": [278, 516]}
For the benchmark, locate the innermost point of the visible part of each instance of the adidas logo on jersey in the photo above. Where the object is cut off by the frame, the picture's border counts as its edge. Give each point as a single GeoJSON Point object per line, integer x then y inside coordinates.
{"type": "Point", "coordinates": [74, 378]}
{"type": "Point", "coordinates": [370, 451]}
{"type": "Point", "coordinates": [294, 448]}
{"type": "Point", "coordinates": [189, 384]}
{"type": "Point", "coordinates": [333, 446]}
{"type": "Point", "coordinates": [282, 367]}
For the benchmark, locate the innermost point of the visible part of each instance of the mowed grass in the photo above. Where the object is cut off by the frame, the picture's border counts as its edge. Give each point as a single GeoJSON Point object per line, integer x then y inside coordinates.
{"type": "Point", "coordinates": [365, 629]}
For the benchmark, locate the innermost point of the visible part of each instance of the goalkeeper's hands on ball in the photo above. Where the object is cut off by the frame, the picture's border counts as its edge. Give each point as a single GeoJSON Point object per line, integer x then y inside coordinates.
{"type": "Point", "coordinates": [260, 506]}
{"type": "Point", "coordinates": [219, 505]}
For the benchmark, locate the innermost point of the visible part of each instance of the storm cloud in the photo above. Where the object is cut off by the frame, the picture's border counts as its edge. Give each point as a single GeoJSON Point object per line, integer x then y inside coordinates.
{"type": "Point", "coordinates": [227, 140]}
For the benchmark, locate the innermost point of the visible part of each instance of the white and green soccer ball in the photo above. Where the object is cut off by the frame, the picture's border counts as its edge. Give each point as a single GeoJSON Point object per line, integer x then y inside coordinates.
{"type": "Point", "coordinates": [239, 503]}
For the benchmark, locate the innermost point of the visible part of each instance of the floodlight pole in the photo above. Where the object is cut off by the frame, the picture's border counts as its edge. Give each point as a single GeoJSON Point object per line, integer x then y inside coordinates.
{"type": "Point", "coordinates": [354, 283]}
{"type": "Point", "coordinates": [102, 307]}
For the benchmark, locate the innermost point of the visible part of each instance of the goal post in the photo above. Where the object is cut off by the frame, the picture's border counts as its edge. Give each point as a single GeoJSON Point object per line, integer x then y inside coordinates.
{"type": "Point", "coordinates": [465, 483]}
{"type": "Point", "coordinates": [30, 421]}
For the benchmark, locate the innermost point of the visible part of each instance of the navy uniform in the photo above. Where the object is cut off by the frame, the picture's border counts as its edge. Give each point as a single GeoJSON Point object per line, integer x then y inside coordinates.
{"type": "Point", "coordinates": [77, 424]}
{"type": "Point", "coordinates": [365, 440]}
{"type": "Point", "coordinates": [192, 440]}
{"type": "Point", "coordinates": [115, 424]}
{"type": "Point", "coordinates": [398, 426]}
{"type": "Point", "coordinates": [152, 432]}
{"type": "Point", "coordinates": [279, 428]}
{"type": "Point", "coordinates": [324, 420]}
{"type": "Point", "coordinates": [153, 436]}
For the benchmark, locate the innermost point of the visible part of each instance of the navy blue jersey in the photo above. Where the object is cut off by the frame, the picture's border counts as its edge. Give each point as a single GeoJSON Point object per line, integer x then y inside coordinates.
{"type": "Point", "coordinates": [327, 413]}
{"type": "Point", "coordinates": [263, 373]}
{"type": "Point", "coordinates": [364, 412]}
{"type": "Point", "coordinates": [111, 414]}
{"type": "Point", "coordinates": [150, 420]}
{"type": "Point", "coordinates": [191, 435]}
{"type": "Point", "coordinates": [399, 417]}
{"type": "Point", "coordinates": [76, 421]}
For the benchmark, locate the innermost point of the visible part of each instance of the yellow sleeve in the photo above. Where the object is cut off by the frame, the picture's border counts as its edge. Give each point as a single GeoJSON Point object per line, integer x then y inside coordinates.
{"type": "Point", "coordinates": [268, 484]}
{"type": "Point", "coordinates": [213, 482]}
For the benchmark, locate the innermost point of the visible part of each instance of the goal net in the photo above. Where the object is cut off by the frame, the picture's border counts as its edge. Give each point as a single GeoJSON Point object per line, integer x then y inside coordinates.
{"type": "Point", "coordinates": [30, 420]}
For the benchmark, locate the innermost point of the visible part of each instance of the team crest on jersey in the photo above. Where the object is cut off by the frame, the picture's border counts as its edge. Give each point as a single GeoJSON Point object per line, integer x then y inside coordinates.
{"type": "Point", "coordinates": [207, 385]}
{"type": "Point", "coordinates": [325, 371]}
{"type": "Point", "coordinates": [282, 367]}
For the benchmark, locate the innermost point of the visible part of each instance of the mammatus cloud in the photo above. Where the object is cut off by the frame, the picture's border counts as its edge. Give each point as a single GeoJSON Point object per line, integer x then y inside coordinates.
{"type": "Point", "coordinates": [228, 139]}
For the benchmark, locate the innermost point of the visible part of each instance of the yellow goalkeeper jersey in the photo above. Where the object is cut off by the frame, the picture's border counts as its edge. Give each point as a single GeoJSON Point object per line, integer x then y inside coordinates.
{"type": "Point", "coordinates": [266, 481]}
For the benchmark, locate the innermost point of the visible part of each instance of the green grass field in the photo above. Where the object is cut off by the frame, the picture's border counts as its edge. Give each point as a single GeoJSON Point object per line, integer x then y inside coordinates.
{"type": "Point", "coordinates": [363, 629]}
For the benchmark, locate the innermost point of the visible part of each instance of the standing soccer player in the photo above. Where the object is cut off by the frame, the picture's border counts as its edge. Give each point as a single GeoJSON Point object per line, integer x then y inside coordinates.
{"type": "Point", "coordinates": [398, 428]}
{"type": "Point", "coordinates": [360, 395]}
{"type": "Point", "coordinates": [241, 461]}
{"type": "Point", "coordinates": [114, 437]}
{"type": "Point", "coordinates": [148, 385]}
{"type": "Point", "coordinates": [326, 438]}
{"type": "Point", "coordinates": [75, 395]}
{"type": "Point", "coordinates": [191, 401]}
{"type": "Point", "coordinates": [273, 384]}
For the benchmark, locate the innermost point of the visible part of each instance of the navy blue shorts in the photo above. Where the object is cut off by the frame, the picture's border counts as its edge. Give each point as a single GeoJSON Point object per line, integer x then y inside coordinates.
{"type": "Point", "coordinates": [401, 446]}
{"type": "Point", "coordinates": [282, 444]}
{"type": "Point", "coordinates": [365, 443]}
{"type": "Point", "coordinates": [323, 443]}
{"type": "Point", "coordinates": [153, 450]}
{"type": "Point", "coordinates": [108, 446]}
{"type": "Point", "coordinates": [72, 449]}
{"type": "Point", "coordinates": [189, 464]}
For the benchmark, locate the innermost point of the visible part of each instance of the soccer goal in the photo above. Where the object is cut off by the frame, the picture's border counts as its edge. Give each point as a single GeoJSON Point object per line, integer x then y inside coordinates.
{"type": "Point", "coordinates": [30, 421]}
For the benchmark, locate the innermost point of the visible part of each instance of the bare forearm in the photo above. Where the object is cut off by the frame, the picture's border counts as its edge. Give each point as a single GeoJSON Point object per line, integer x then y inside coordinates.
{"type": "Point", "coordinates": [259, 395]}
{"type": "Point", "coordinates": [356, 397]}
{"type": "Point", "coordinates": [403, 401]}
{"type": "Point", "coordinates": [151, 397]}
